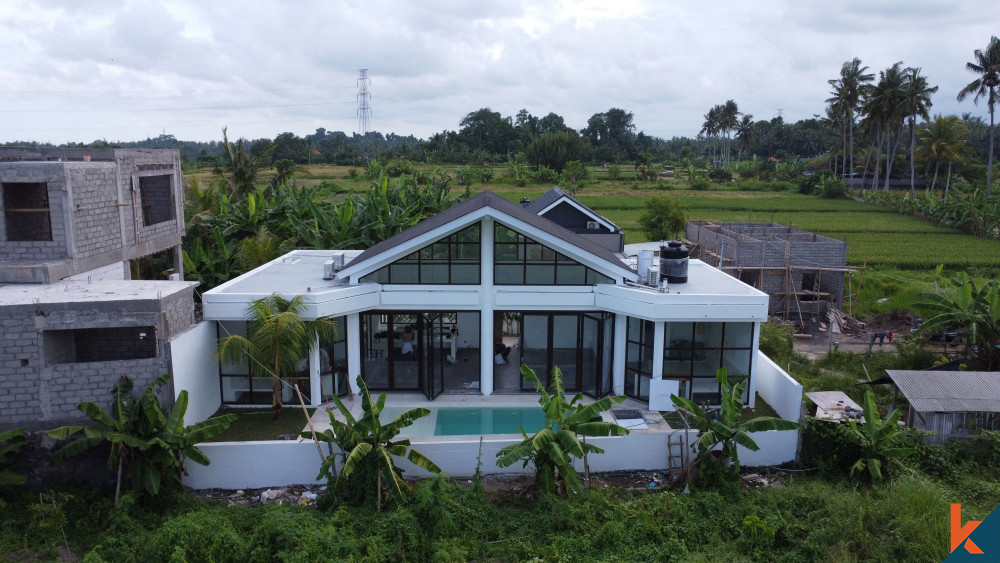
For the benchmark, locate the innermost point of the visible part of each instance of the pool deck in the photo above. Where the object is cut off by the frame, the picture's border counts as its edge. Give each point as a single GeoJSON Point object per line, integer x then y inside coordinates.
{"type": "Point", "coordinates": [423, 429]}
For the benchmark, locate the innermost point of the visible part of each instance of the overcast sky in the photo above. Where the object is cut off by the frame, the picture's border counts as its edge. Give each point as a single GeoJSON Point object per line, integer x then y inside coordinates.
{"type": "Point", "coordinates": [128, 70]}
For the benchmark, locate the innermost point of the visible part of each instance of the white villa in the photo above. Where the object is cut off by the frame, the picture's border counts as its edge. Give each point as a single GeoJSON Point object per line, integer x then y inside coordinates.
{"type": "Point", "coordinates": [551, 280]}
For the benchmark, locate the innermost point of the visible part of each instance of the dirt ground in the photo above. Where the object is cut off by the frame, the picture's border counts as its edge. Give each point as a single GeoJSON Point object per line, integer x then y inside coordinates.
{"type": "Point", "coordinates": [817, 342]}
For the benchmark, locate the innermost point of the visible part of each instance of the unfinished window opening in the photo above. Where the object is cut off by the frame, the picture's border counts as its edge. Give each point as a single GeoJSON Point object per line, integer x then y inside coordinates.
{"type": "Point", "coordinates": [810, 281]}
{"type": "Point", "coordinates": [157, 199]}
{"type": "Point", "coordinates": [750, 277]}
{"type": "Point", "coordinates": [26, 211]}
{"type": "Point", "coordinates": [84, 345]}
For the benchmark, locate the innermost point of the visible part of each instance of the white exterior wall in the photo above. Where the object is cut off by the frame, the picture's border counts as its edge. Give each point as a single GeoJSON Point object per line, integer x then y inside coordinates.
{"type": "Point", "coordinates": [776, 447]}
{"type": "Point", "coordinates": [194, 368]}
{"type": "Point", "coordinates": [251, 465]}
{"type": "Point", "coordinates": [783, 393]}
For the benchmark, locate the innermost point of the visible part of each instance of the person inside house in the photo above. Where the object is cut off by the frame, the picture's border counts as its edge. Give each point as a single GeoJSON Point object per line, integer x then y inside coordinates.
{"type": "Point", "coordinates": [409, 342]}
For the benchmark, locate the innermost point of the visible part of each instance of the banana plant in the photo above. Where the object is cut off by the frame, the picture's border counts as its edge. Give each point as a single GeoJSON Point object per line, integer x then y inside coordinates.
{"type": "Point", "coordinates": [11, 442]}
{"type": "Point", "coordinates": [722, 429]}
{"type": "Point", "coordinates": [880, 439]}
{"type": "Point", "coordinates": [148, 442]}
{"type": "Point", "coordinates": [367, 445]}
{"type": "Point", "coordinates": [551, 450]}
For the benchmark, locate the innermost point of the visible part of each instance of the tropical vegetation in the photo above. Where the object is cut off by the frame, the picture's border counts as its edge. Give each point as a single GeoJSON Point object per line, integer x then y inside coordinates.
{"type": "Point", "coordinates": [366, 449]}
{"type": "Point", "coordinates": [278, 340]}
{"type": "Point", "coordinates": [551, 450]}
{"type": "Point", "coordinates": [149, 444]}
{"type": "Point", "coordinates": [721, 430]}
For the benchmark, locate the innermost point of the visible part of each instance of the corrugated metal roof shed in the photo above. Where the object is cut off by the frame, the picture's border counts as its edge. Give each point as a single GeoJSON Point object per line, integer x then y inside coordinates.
{"type": "Point", "coordinates": [949, 391]}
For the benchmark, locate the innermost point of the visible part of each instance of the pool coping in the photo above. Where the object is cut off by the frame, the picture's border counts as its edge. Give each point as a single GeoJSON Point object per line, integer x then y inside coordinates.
{"type": "Point", "coordinates": [321, 421]}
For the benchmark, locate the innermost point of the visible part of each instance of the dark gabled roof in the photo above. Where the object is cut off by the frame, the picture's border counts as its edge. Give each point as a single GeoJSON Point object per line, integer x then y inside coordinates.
{"type": "Point", "coordinates": [949, 391]}
{"type": "Point", "coordinates": [554, 195]}
{"type": "Point", "coordinates": [490, 199]}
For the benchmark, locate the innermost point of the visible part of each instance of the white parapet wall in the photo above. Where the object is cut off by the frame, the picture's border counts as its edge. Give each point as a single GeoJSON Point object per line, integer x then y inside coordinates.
{"type": "Point", "coordinates": [254, 465]}
{"type": "Point", "coordinates": [776, 447]}
{"type": "Point", "coordinates": [783, 393]}
{"type": "Point", "coordinates": [194, 368]}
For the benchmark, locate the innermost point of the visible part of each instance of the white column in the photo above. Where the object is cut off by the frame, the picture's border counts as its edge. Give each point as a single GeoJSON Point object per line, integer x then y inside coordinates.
{"type": "Point", "coordinates": [618, 370]}
{"type": "Point", "coordinates": [315, 382]}
{"type": "Point", "coordinates": [752, 386]}
{"type": "Point", "coordinates": [486, 364]}
{"type": "Point", "coordinates": [353, 351]}
{"type": "Point", "coordinates": [657, 350]}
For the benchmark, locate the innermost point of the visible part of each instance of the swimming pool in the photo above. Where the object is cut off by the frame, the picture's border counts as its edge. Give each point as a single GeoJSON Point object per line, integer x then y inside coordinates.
{"type": "Point", "coordinates": [472, 421]}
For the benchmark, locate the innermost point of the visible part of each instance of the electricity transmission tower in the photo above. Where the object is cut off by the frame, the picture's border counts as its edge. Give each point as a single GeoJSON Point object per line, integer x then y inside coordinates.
{"type": "Point", "coordinates": [364, 108]}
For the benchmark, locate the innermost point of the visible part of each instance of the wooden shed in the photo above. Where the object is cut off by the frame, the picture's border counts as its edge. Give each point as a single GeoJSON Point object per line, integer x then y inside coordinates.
{"type": "Point", "coordinates": [952, 404]}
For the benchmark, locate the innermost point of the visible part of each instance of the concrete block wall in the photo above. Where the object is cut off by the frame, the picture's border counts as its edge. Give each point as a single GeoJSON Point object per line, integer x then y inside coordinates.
{"type": "Point", "coordinates": [54, 176]}
{"type": "Point", "coordinates": [767, 244]}
{"type": "Point", "coordinates": [95, 209]}
{"type": "Point", "coordinates": [39, 390]}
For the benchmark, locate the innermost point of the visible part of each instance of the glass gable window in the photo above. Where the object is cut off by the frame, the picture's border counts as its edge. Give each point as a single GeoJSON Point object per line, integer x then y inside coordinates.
{"type": "Point", "coordinates": [519, 260]}
{"type": "Point", "coordinates": [452, 260]}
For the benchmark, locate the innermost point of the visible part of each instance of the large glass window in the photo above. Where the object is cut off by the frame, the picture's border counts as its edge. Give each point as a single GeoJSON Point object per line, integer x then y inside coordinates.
{"type": "Point", "coordinates": [453, 260]}
{"type": "Point", "coordinates": [245, 386]}
{"type": "Point", "coordinates": [693, 352]}
{"type": "Point", "coordinates": [333, 363]}
{"type": "Point", "coordinates": [519, 260]}
{"type": "Point", "coordinates": [638, 358]}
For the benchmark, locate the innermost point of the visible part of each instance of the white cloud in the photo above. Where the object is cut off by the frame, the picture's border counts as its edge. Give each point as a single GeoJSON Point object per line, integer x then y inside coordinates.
{"type": "Point", "coordinates": [124, 69]}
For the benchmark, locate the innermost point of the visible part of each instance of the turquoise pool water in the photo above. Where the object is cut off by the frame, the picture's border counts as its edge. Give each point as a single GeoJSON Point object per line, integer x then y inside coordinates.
{"type": "Point", "coordinates": [487, 420]}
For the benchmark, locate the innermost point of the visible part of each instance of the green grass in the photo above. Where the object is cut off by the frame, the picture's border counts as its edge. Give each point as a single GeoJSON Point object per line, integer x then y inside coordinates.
{"type": "Point", "coordinates": [257, 424]}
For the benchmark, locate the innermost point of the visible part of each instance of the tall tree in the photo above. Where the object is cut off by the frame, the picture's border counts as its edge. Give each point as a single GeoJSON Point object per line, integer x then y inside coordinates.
{"type": "Point", "coordinates": [729, 112]}
{"type": "Point", "coordinates": [277, 340]}
{"type": "Point", "coordinates": [943, 139]}
{"type": "Point", "coordinates": [853, 81]}
{"type": "Point", "coordinates": [987, 66]}
{"type": "Point", "coordinates": [744, 134]}
{"type": "Point", "coordinates": [916, 101]}
{"type": "Point", "coordinates": [883, 106]}
{"type": "Point", "coordinates": [239, 169]}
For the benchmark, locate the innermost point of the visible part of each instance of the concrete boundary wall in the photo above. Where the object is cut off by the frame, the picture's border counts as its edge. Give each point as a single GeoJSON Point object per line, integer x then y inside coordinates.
{"type": "Point", "coordinates": [194, 368]}
{"type": "Point", "coordinates": [783, 393]}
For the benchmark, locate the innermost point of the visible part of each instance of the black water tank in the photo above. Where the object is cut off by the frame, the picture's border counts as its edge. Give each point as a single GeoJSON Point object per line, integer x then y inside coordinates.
{"type": "Point", "coordinates": [674, 262]}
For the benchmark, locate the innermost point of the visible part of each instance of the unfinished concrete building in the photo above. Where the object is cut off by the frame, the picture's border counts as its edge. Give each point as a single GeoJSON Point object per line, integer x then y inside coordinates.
{"type": "Point", "coordinates": [802, 272]}
{"type": "Point", "coordinates": [71, 320]}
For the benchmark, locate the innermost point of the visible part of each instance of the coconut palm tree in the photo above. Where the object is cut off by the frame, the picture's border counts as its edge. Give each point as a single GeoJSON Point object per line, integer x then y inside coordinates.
{"type": "Point", "coordinates": [853, 83]}
{"type": "Point", "coordinates": [710, 127]}
{"type": "Point", "coordinates": [240, 169]}
{"type": "Point", "coordinates": [916, 101]}
{"type": "Point", "coordinates": [745, 134]}
{"type": "Point", "coordinates": [987, 66]}
{"type": "Point", "coordinates": [882, 105]}
{"type": "Point", "coordinates": [729, 112]}
{"type": "Point", "coordinates": [943, 138]}
{"type": "Point", "coordinates": [277, 340]}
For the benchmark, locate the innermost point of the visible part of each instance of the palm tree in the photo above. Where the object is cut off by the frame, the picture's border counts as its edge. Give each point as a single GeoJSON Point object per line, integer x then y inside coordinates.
{"type": "Point", "coordinates": [277, 340]}
{"type": "Point", "coordinates": [916, 101]}
{"type": "Point", "coordinates": [728, 114]}
{"type": "Point", "coordinates": [710, 127]}
{"type": "Point", "coordinates": [837, 116]}
{"type": "Point", "coordinates": [943, 138]}
{"type": "Point", "coordinates": [239, 169]}
{"type": "Point", "coordinates": [987, 66]}
{"type": "Point", "coordinates": [882, 106]}
{"type": "Point", "coordinates": [745, 133]}
{"type": "Point", "coordinates": [853, 83]}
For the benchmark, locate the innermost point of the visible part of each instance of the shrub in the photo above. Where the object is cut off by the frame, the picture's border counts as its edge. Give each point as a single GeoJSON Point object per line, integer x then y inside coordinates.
{"type": "Point", "coordinates": [720, 175]}
{"type": "Point", "coordinates": [206, 535]}
{"type": "Point", "coordinates": [546, 175]}
{"type": "Point", "coordinates": [700, 184]}
{"type": "Point", "coordinates": [776, 340]}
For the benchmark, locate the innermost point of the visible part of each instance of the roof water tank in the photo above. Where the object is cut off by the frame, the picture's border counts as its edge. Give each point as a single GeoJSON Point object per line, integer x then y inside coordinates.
{"type": "Point", "coordinates": [674, 262]}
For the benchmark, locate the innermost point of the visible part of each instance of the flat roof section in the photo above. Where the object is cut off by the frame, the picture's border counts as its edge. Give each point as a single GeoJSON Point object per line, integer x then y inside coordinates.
{"type": "Point", "coordinates": [83, 292]}
{"type": "Point", "coordinates": [295, 273]}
